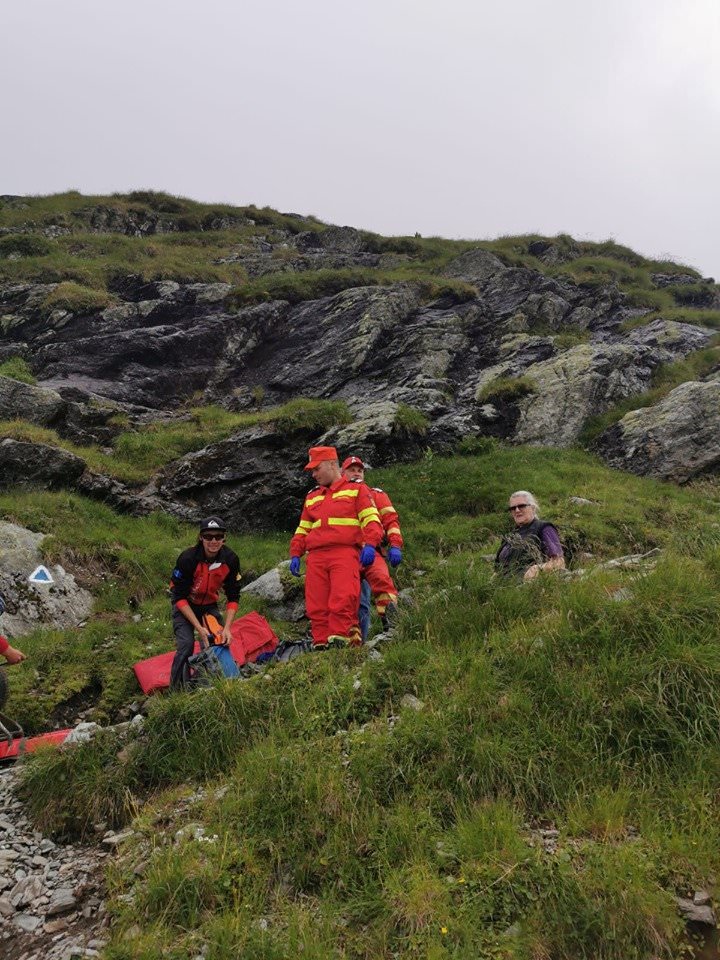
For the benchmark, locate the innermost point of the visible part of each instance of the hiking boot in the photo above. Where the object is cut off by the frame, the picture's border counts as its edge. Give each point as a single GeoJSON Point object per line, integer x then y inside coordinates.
{"type": "Point", "coordinates": [337, 641]}
{"type": "Point", "coordinates": [389, 619]}
{"type": "Point", "coordinates": [319, 647]}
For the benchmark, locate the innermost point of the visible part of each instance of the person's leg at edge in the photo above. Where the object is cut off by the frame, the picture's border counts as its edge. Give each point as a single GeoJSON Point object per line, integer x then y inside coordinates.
{"type": "Point", "coordinates": [364, 609]}
{"type": "Point", "coordinates": [184, 644]}
{"type": "Point", "coordinates": [383, 589]}
{"type": "Point", "coordinates": [317, 589]}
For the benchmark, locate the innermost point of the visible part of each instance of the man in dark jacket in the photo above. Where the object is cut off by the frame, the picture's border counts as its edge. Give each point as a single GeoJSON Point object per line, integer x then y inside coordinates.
{"type": "Point", "coordinates": [200, 573]}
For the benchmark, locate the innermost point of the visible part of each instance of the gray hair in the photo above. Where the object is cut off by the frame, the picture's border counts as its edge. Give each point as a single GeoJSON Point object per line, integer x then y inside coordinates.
{"type": "Point", "coordinates": [526, 495]}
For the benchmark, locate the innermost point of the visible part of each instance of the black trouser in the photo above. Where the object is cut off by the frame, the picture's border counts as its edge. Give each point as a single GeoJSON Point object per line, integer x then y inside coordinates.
{"type": "Point", "coordinates": [185, 642]}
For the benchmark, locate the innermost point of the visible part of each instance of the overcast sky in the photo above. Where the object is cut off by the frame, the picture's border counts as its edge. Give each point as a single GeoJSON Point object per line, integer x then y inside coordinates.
{"type": "Point", "coordinates": [463, 118]}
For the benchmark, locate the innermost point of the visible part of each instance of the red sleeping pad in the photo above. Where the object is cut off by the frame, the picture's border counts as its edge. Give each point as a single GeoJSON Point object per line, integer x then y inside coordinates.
{"type": "Point", "coordinates": [252, 635]}
{"type": "Point", "coordinates": [20, 745]}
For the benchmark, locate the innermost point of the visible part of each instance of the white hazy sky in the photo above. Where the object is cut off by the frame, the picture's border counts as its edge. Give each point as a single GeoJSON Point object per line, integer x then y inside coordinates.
{"type": "Point", "coordinates": [463, 118]}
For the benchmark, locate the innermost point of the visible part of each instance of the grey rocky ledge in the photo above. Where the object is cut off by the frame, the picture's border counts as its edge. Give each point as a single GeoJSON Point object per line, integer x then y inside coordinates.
{"type": "Point", "coordinates": [676, 439]}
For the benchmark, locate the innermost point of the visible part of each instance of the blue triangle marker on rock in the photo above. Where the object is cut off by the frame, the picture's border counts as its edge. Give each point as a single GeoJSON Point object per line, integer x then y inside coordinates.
{"type": "Point", "coordinates": [41, 574]}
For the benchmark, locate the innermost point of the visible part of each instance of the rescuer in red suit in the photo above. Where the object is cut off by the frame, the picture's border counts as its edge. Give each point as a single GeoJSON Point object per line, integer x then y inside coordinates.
{"type": "Point", "coordinates": [339, 530]}
{"type": "Point", "coordinates": [376, 579]}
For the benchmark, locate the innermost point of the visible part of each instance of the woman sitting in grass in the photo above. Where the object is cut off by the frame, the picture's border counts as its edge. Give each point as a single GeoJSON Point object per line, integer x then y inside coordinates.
{"type": "Point", "coordinates": [534, 545]}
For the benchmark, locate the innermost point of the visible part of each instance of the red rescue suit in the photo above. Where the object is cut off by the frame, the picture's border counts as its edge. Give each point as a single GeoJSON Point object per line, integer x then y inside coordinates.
{"type": "Point", "coordinates": [377, 575]}
{"type": "Point", "coordinates": [335, 523]}
{"type": "Point", "coordinates": [388, 517]}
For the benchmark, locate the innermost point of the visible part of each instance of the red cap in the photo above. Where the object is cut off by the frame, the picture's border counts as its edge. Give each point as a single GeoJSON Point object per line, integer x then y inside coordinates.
{"type": "Point", "coordinates": [318, 454]}
{"type": "Point", "coordinates": [353, 462]}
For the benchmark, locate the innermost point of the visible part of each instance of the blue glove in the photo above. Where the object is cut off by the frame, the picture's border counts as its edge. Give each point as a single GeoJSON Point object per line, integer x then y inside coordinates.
{"type": "Point", "coordinates": [367, 555]}
{"type": "Point", "coordinates": [2, 606]}
{"type": "Point", "coordinates": [295, 566]}
{"type": "Point", "coordinates": [394, 556]}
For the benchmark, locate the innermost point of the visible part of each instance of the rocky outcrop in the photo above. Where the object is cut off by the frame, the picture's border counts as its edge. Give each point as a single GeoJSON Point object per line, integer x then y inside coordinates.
{"type": "Point", "coordinates": [415, 372]}
{"type": "Point", "coordinates": [590, 378]}
{"type": "Point", "coordinates": [252, 480]}
{"type": "Point", "coordinates": [60, 603]}
{"type": "Point", "coordinates": [37, 464]}
{"type": "Point", "coordinates": [676, 439]}
{"type": "Point", "coordinates": [23, 401]}
{"type": "Point", "coordinates": [284, 593]}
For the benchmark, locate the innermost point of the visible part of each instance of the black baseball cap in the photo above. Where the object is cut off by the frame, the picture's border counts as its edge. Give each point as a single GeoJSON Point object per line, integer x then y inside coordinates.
{"type": "Point", "coordinates": [213, 523]}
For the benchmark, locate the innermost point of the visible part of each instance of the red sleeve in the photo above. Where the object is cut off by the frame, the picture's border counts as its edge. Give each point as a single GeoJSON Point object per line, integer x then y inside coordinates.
{"type": "Point", "coordinates": [367, 511]}
{"type": "Point", "coordinates": [299, 538]}
{"type": "Point", "coordinates": [3, 644]}
{"type": "Point", "coordinates": [389, 519]}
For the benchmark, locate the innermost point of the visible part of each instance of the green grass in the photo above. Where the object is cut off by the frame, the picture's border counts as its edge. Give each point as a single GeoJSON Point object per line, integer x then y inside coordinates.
{"type": "Point", "coordinates": [507, 389]}
{"type": "Point", "coordinates": [75, 298]}
{"type": "Point", "coordinates": [703, 318]}
{"type": "Point", "coordinates": [137, 454]}
{"type": "Point", "coordinates": [353, 835]}
{"type": "Point", "coordinates": [410, 421]}
{"type": "Point", "coordinates": [17, 368]}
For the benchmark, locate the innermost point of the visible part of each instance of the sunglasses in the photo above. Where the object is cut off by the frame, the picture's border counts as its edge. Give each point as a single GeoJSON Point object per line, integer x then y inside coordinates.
{"type": "Point", "coordinates": [518, 506]}
{"type": "Point", "coordinates": [213, 536]}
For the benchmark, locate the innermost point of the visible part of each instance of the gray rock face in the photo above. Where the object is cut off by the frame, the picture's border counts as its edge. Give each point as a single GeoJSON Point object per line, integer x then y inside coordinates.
{"type": "Point", "coordinates": [283, 592]}
{"type": "Point", "coordinates": [676, 439]}
{"type": "Point", "coordinates": [31, 464]}
{"type": "Point", "coordinates": [476, 266]}
{"type": "Point", "coordinates": [23, 401]}
{"type": "Point", "coordinates": [62, 603]}
{"type": "Point", "coordinates": [378, 348]}
{"type": "Point", "coordinates": [697, 913]}
{"type": "Point", "coordinates": [590, 378]}
{"type": "Point", "coordinates": [250, 479]}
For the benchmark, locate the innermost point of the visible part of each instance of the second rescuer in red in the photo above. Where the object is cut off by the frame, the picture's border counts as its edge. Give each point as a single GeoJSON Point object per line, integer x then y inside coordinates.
{"type": "Point", "coordinates": [339, 530]}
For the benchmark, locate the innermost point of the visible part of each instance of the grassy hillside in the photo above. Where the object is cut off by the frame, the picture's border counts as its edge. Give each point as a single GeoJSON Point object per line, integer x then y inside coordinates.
{"type": "Point", "coordinates": [325, 818]}
{"type": "Point", "coordinates": [78, 241]}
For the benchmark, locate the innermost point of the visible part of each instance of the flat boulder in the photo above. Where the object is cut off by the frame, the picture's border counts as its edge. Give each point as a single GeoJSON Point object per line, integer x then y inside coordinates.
{"type": "Point", "coordinates": [283, 593]}
{"type": "Point", "coordinates": [60, 603]}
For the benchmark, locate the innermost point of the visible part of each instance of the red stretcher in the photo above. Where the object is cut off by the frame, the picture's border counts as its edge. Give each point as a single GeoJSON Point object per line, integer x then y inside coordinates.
{"type": "Point", "coordinates": [19, 745]}
{"type": "Point", "coordinates": [252, 636]}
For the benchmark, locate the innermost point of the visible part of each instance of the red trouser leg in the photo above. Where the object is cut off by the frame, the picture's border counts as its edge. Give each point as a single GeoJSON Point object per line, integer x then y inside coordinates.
{"type": "Point", "coordinates": [317, 592]}
{"type": "Point", "coordinates": [344, 596]}
{"type": "Point", "coordinates": [383, 589]}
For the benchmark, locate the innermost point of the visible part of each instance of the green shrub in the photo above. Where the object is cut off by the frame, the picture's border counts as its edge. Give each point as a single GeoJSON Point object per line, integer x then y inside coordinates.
{"type": "Point", "coordinates": [17, 368]}
{"type": "Point", "coordinates": [298, 287]}
{"type": "Point", "coordinates": [693, 294]}
{"type": "Point", "coordinates": [566, 340]}
{"type": "Point", "coordinates": [303, 414]}
{"type": "Point", "coordinates": [161, 202]}
{"type": "Point", "coordinates": [24, 245]}
{"type": "Point", "coordinates": [476, 446]}
{"type": "Point", "coordinates": [410, 421]}
{"type": "Point", "coordinates": [76, 298]}
{"type": "Point", "coordinates": [507, 389]}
